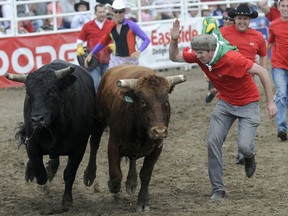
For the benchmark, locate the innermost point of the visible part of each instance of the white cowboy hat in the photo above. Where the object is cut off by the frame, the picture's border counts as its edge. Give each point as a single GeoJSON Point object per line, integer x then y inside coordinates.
{"type": "Point", "coordinates": [118, 5]}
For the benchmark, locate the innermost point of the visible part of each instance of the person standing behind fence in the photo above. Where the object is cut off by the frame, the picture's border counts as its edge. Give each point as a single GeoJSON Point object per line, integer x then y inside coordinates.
{"type": "Point", "coordinates": [80, 19]}
{"type": "Point", "coordinates": [123, 33]}
{"type": "Point", "coordinates": [249, 42]}
{"type": "Point", "coordinates": [278, 40]}
{"type": "Point", "coordinates": [91, 32]}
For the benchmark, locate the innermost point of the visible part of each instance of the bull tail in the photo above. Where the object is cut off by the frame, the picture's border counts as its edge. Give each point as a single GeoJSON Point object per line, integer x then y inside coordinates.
{"type": "Point", "coordinates": [20, 135]}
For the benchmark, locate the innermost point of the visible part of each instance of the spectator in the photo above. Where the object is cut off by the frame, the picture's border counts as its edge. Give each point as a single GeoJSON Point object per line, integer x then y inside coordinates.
{"type": "Point", "coordinates": [25, 26]}
{"type": "Point", "coordinates": [249, 42]}
{"type": "Point", "coordinates": [80, 19]}
{"type": "Point", "coordinates": [194, 12]}
{"type": "Point", "coordinates": [145, 13]}
{"type": "Point", "coordinates": [123, 33]}
{"type": "Point", "coordinates": [6, 13]}
{"type": "Point", "coordinates": [227, 20]}
{"type": "Point", "coordinates": [278, 40]}
{"type": "Point", "coordinates": [205, 11]}
{"type": "Point", "coordinates": [38, 9]}
{"type": "Point", "coordinates": [67, 7]}
{"type": "Point", "coordinates": [91, 33]}
{"type": "Point", "coordinates": [59, 19]}
{"type": "Point", "coordinates": [272, 12]}
{"type": "Point", "coordinates": [230, 72]}
{"type": "Point", "coordinates": [219, 11]}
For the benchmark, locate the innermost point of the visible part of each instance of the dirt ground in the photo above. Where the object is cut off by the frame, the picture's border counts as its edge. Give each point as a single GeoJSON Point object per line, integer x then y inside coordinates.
{"type": "Point", "coordinates": [179, 185]}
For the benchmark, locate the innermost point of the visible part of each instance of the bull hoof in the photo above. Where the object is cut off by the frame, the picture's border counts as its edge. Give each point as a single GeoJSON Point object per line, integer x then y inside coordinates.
{"type": "Point", "coordinates": [29, 176]}
{"type": "Point", "coordinates": [89, 178]}
{"type": "Point", "coordinates": [42, 180]}
{"type": "Point", "coordinates": [114, 188]}
{"type": "Point", "coordinates": [67, 203]}
{"type": "Point", "coordinates": [143, 208]}
{"type": "Point", "coordinates": [52, 168]}
{"type": "Point", "coordinates": [50, 173]}
{"type": "Point", "coordinates": [29, 173]}
{"type": "Point", "coordinates": [130, 188]}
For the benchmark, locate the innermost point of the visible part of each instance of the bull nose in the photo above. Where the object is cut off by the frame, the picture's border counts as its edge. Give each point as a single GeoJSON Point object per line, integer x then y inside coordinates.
{"type": "Point", "coordinates": [159, 132]}
{"type": "Point", "coordinates": [38, 120]}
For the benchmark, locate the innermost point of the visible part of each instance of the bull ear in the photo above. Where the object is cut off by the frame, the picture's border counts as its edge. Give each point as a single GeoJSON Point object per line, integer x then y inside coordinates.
{"type": "Point", "coordinates": [127, 83]}
{"type": "Point", "coordinates": [16, 77]}
{"type": "Point", "coordinates": [64, 72]}
{"type": "Point", "coordinates": [174, 80]}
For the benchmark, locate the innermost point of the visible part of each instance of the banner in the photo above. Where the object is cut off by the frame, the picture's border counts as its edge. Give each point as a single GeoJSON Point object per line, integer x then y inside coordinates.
{"type": "Point", "coordinates": [156, 56]}
{"type": "Point", "coordinates": [23, 55]}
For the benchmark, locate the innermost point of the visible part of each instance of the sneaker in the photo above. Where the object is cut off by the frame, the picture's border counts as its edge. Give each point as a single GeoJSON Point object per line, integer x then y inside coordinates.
{"type": "Point", "coordinates": [250, 166]}
{"type": "Point", "coordinates": [282, 135]}
{"type": "Point", "coordinates": [209, 97]}
{"type": "Point", "coordinates": [218, 195]}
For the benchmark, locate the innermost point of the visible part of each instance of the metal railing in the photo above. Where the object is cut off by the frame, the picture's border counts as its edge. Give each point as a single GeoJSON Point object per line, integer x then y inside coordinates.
{"type": "Point", "coordinates": [180, 7]}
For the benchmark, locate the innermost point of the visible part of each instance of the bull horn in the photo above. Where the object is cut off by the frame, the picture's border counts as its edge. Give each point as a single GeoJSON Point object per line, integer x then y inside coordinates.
{"type": "Point", "coordinates": [64, 72]}
{"type": "Point", "coordinates": [16, 77]}
{"type": "Point", "coordinates": [174, 80]}
{"type": "Point", "coordinates": [127, 83]}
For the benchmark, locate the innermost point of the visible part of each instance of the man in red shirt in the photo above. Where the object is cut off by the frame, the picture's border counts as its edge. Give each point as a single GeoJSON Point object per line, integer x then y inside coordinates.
{"type": "Point", "coordinates": [91, 32]}
{"type": "Point", "coordinates": [278, 40]}
{"type": "Point", "coordinates": [249, 42]}
{"type": "Point", "coordinates": [272, 12]}
{"type": "Point", "coordinates": [230, 72]}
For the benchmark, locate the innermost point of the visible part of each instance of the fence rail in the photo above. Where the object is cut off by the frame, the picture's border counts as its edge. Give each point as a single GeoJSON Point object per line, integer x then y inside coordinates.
{"type": "Point", "coordinates": [10, 26]}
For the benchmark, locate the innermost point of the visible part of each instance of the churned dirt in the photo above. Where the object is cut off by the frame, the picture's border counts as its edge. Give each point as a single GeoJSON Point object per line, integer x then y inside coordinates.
{"type": "Point", "coordinates": [179, 185]}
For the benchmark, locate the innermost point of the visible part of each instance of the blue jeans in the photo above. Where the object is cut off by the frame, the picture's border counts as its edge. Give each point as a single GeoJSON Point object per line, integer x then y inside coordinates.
{"type": "Point", "coordinates": [280, 79]}
{"type": "Point", "coordinates": [97, 73]}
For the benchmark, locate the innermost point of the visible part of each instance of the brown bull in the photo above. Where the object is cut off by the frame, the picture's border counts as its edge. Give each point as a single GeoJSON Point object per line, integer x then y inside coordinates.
{"type": "Point", "coordinates": [133, 102]}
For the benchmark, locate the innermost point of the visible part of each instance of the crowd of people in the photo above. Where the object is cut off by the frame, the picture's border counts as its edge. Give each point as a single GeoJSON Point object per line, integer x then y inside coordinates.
{"type": "Point", "coordinates": [67, 16]}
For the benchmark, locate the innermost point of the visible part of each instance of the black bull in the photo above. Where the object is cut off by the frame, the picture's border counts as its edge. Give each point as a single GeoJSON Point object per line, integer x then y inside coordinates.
{"type": "Point", "coordinates": [137, 113]}
{"type": "Point", "coordinates": [59, 112]}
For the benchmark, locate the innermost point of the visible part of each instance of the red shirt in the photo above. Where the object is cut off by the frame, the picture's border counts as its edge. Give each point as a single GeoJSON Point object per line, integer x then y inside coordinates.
{"type": "Point", "coordinates": [91, 33]}
{"type": "Point", "coordinates": [273, 14]}
{"type": "Point", "coordinates": [230, 77]}
{"type": "Point", "coordinates": [278, 34]}
{"type": "Point", "coordinates": [249, 43]}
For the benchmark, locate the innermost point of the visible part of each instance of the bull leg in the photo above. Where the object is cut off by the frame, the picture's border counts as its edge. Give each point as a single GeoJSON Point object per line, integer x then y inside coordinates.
{"type": "Point", "coordinates": [52, 167]}
{"type": "Point", "coordinates": [115, 172]}
{"type": "Point", "coordinates": [145, 177]}
{"type": "Point", "coordinates": [90, 172]}
{"type": "Point", "coordinates": [35, 165]}
{"type": "Point", "coordinates": [131, 182]}
{"type": "Point", "coordinates": [29, 172]}
{"type": "Point", "coordinates": [69, 177]}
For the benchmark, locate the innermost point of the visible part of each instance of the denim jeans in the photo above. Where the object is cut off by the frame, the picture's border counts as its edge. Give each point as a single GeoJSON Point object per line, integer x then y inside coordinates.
{"type": "Point", "coordinates": [280, 79]}
{"type": "Point", "coordinates": [97, 73]}
{"type": "Point", "coordinates": [222, 118]}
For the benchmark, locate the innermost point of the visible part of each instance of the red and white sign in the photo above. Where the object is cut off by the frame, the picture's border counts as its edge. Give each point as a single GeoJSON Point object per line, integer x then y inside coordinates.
{"type": "Point", "coordinates": [26, 54]}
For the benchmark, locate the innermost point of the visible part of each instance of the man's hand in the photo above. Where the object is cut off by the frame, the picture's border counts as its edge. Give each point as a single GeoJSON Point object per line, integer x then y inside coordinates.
{"type": "Point", "coordinates": [135, 54]}
{"type": "Point", "coordinates": [271, 109]}
{"type": "Point", "coordinates": [175, 30]}
{"type": "Point", "coordinates": [112, 47]}
{"type": "Point", "coordinates": [80, 50]}
{"type": "Point", "coordinates": [87, 60]}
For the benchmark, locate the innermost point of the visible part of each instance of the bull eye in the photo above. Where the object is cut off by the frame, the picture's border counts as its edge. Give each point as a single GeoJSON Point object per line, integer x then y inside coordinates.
{"type": "Point", "coordinates": [142, 103]}
{"type": "Point", "coordinates": [52, 92]}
